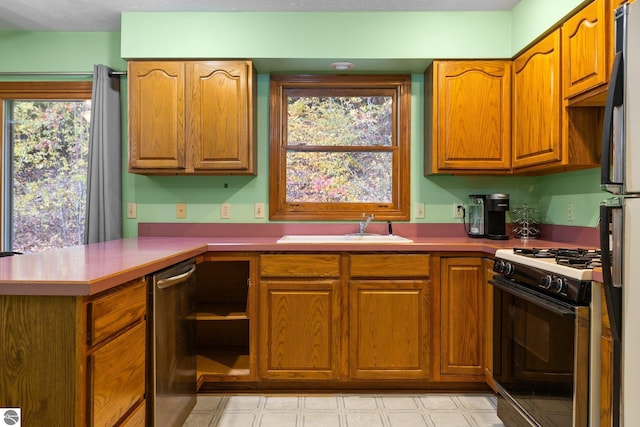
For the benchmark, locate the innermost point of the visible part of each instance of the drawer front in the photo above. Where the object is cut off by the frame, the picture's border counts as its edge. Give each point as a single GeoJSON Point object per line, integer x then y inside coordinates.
{"type": "Point", "coordinates": [389, 265]}
{"type": "Point", "coordinates": [300, 265]}
{"type": "Point", "coordinates": [115, 311]}
{"type": "Point", "coordinates": [117, 377]}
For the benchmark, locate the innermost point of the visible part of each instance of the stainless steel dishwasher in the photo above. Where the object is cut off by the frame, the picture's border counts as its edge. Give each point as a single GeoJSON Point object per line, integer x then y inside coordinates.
{"type": "Point", "coordinates": [172, 374]}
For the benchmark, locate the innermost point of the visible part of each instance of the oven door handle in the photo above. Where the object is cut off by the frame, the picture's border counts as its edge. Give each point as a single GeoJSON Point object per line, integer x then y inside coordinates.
{"type": "Point", "coordinates": [522, 292]}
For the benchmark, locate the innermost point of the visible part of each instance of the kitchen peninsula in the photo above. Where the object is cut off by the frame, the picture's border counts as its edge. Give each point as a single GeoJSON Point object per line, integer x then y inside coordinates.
{"type": "Point", "coordinates": [68, 315]}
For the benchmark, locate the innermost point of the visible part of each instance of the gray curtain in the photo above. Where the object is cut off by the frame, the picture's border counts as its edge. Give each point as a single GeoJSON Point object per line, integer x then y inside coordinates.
{"type": "Point", "coordinates": [104, 177]}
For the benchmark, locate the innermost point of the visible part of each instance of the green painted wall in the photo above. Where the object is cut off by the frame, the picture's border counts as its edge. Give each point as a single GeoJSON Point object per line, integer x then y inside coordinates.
{"type": "Point", "coordinates": [351, 35]}
{"type": "Point", "coordinates": [530, 18]}
{"type": "Point", "coordinates": [408, 38]}
{"type": "Point", "coordinates": [58, 51]}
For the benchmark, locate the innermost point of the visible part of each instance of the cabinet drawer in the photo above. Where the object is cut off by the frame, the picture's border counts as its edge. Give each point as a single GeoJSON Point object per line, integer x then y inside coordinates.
{"type": "Point", "coordinates": [389, 265]}
{"type": "Point", "coordinates": [117, 377]}
{"type": "Point", "coordinates": [115, 311]}
{"type": "Point", "coordinates": [300, 265]}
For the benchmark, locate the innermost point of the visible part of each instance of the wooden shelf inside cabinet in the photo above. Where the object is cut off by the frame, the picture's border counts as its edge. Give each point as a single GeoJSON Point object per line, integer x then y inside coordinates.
{"type": "Point", "coordinates": [223, 320]}
{"type": "Point", "coordinates": [221, 311]}
{"type": "Point", "coordinates": [223, 361]}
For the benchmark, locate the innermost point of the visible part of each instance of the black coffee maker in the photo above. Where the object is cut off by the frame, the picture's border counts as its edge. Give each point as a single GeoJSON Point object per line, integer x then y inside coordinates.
{"type": "Point", "coordinates": [496, 207]}
{"type": "Point", "coordinates": [487, 216]}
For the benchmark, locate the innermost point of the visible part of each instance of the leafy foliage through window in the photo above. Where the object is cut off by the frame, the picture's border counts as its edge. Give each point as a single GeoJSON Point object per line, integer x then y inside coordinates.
{"type": "Point", "coordinates": [45, 154]}
{"type": "Point", "coordinates": [339, 147]}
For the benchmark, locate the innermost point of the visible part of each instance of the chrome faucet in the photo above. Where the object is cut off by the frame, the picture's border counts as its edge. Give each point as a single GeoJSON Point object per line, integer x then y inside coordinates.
{"type": "Point", "coordinates": [365, 222]}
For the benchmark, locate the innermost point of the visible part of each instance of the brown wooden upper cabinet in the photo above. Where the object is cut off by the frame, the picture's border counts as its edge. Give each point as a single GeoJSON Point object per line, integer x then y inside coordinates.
{"type": "Point", "coordinates": [468, 117]}
{"type": "Point", "coordinates": [537, 104]}
{"type": "Point", "coordinates": [192, 117]}
{"type": "Point", "coordinates": [548, 135]}
{"type": "Point", "coordinates": [584, 44]}
{"type": "Point", "coordinates": [587, 53]}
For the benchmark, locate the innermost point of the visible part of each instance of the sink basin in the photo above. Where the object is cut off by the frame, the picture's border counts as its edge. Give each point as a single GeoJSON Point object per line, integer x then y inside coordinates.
{"type": "Point", "coordinates": [344, 238]}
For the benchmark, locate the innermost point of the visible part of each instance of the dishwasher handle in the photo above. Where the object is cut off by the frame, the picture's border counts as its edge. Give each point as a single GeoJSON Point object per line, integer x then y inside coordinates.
{"type": "Point", "coordinates": [175, 280]}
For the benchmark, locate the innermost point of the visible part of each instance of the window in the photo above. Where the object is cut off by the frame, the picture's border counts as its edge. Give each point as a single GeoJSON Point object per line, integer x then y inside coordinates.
{"type": "Point", "coordinates": [339, 147]}
{"type": "Point", "coordinates": [45, 140]}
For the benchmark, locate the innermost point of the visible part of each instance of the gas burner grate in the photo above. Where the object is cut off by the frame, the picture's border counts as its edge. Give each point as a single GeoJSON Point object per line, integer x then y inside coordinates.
{"type": "Point", "coordinates": [534, 252]}
{"type": "Point", "coordinates": [572, 257]}
{"type": "Point", "coordinates": [576, 261]}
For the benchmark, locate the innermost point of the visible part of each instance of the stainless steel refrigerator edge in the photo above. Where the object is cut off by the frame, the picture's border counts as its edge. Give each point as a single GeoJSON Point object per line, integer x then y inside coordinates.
{"type": "Point", "coordinates": [172, 367]}
{"type": "Point", "coordinates": [620, 215]}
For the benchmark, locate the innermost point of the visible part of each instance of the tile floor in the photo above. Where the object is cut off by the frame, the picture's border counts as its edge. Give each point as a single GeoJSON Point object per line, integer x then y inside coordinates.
{"type": "Point", "coordinates": [345, 410]}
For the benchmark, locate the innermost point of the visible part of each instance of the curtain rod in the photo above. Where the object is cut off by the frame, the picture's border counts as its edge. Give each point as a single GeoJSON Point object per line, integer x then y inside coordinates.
{"type": "Point", "coordinates": [55, 73]}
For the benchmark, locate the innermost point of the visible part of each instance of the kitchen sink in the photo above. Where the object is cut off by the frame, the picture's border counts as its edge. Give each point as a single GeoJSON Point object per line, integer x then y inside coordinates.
{"type": "Point", "coordinates": [344, 238]}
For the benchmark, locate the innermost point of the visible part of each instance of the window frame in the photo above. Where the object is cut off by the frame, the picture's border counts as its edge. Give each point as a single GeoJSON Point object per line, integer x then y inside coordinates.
{"type": "Point", "coordinates": [336, 85]}
{"type": "Point", "coordinates": [46, 90]}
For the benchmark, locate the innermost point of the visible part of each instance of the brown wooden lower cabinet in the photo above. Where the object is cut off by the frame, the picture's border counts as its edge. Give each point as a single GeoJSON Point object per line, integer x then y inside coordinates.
{"type": "Point", "coordinates": [116, 377]}
{"type": "Point", "coordinates": [389, 329]}
{"type": "Point", "coordinates": [75, 361]}
{"type": "Point", "coordinates": [300, 316]}
{"type": "Point", "coordinates": [460, 309]}
{"type": "Point", "coordinates": [487, 264]}
{"type": "Point", "coordinates": [225, 326]}
{"type": "Point", "coordinates": [357, 319]}
{"type": "Point", "coordinates": [300, 329]}
{"type": "Point", "coordinates": [343, 317]}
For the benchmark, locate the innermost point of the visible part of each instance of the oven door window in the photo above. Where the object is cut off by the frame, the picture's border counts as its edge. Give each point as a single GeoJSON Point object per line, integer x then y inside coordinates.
{"type": "Point", "coordinates": [534, 357]}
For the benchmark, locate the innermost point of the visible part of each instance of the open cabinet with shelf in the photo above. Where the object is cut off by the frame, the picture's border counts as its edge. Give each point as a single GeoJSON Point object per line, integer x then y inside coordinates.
{"type": "Point", "coordinates": [223, 318]}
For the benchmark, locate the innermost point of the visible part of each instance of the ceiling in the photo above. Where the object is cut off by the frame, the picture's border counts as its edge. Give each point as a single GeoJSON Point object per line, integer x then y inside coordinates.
{"type": "Point", "coordinates": [104, 15]}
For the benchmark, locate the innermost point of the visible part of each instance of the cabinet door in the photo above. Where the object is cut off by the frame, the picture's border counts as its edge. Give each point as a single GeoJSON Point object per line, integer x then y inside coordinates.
{"type": "Point", "coordinates": [462, 317]}
{"type": "Point", "coordinates": [389, 329]}
{"type": "Point", "coordinates": [471, 116]}
{"type": "Point", "coordinates": [537, 104]}
{"type": "Point", "coordinates": [300, 329]}
{"type": "Point", "coordinates": [220, 111]}
{"type": "Point", "coordinates": [487, 265]}
{"type": "Point", "coordinates": [584, 56]}
{"type": "Point", "coordinates": [117, 376]}
{"type": "Point", "coordinates": [156, 115]}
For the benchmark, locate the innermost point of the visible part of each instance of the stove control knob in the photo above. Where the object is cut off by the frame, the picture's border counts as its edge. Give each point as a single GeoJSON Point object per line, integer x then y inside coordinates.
{"type": "Point", "coordinates": [509, 269]}
{"type": "Point", "coordinates": [503, 267]}
{"type": "Point", "coordinates": [559, 285]}
{"type": "Point", "coordinates": [546, 281]}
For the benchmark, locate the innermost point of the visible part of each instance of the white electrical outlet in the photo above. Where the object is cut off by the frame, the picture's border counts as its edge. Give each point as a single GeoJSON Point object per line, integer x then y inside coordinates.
{"type": "Point", "coordinates": [132, 210]}
{"type": "Point", "coordinates": [225, 211]}
{"type": "Point", "coordinates": [419, 210]}
{"type": "Point", "coordinates": [458, 210]}
{"type": "Point", "coordinates": [570, 211]}
{"type": "Point", "coordinates": [258, 210]}
{"type": "Point", "coordinates": [181, 211]}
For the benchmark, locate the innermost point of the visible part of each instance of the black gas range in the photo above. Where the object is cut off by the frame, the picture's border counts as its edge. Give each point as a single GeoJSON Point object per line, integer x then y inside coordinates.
{"type": "Point", "coordinates": [556, 272]}
{"type": "Point", "coordinates": [541, 335]}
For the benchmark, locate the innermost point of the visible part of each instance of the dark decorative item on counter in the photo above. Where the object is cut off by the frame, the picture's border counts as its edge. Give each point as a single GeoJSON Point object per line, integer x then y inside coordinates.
{"type": "Point", "coordinates": [526, 221]}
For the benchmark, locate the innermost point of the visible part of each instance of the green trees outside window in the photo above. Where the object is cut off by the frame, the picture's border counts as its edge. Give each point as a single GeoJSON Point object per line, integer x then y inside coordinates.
{"type": "Point", "coordinates": [339, 147]}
